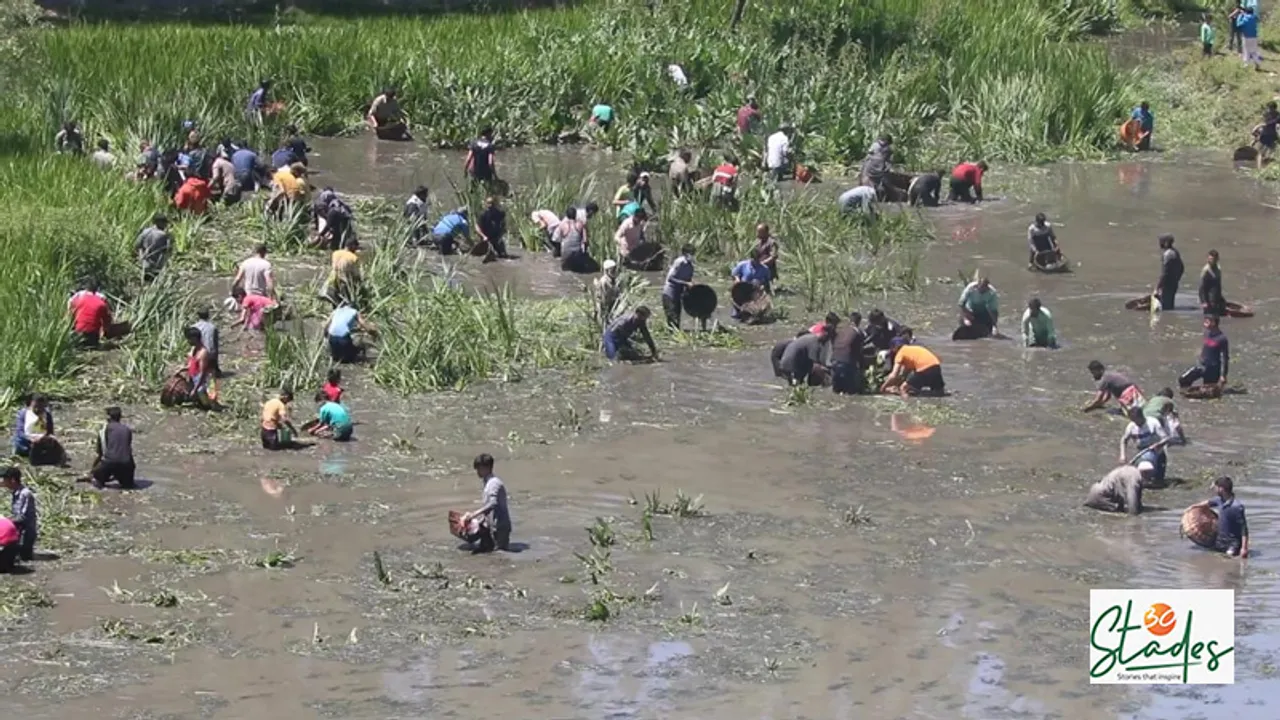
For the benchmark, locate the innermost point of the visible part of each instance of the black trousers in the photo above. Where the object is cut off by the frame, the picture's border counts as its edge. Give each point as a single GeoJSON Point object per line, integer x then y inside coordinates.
{"type": "Point", "coordinates": [579, 262]}
{"type": "Point", "coordinates": [343, 349]}
{"type": "Point", "coordinates": [671, 306]}
{"type": "Point", "coordinates": [847, 379]}
{"type": "Point", "coordinates": [961, 191]}
{"type": "Point", "coordinates": [489, 541]}
{"type": "Point", "coordinates": [1199, 373]}
{"type": "Point", "coordinates": [122, 473]}
{"type": "Point", "coordinates": [8, 557]}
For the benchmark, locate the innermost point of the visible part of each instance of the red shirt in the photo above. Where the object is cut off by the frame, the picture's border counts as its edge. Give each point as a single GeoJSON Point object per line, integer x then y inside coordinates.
{"type": "Point", "coordinates": [193, 195]}
{"type": "Point", "coordinates": [90, 313]}
{"type": "Point", "coordinates": [255, 304]}
{"type": "Point", "coordinates": [8, 532]}
{"type": "Point", "coordinates": [969, 172]}
{"type": "Point", "coordinates": [332, 392]}
{"type": "Point", "coordinates": [746, 114]}
{"type": "Point", "coordinates": [725, 174]}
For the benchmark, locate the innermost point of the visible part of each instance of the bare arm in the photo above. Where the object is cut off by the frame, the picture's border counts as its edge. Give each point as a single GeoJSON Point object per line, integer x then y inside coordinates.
{"type": "Point", "coordinates": [1099, 400]}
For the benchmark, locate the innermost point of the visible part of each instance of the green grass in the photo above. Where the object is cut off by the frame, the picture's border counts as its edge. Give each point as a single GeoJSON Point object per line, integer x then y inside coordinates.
{"type": "Point", "coordinates": [1006, 79]}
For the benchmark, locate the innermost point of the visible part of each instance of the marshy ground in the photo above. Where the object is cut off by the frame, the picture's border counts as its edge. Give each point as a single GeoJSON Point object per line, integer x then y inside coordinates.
{"type": "Point", "coordinates": [687, 542]}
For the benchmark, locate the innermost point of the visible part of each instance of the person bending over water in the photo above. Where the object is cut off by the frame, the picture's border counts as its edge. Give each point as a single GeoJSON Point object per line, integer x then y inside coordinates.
{"type": "Point", "coordinates": [1120, 490]}
{"type": "Point", "coordinates": [33, 436]}
{"type": "Point", "coordinates": [914, 370]}
{"type": "Point", "coordinates": [1215, 359]}
{"type": "Point", "coordinates": [801, 361]}
{"type": "Point", "coordinates": [1149, 438]}
{"type": "Point", "coordinates": [617, 336]}
{"type": "Point", "coordinates": [1113, 385]}
{"type": "Point", "coordinates": [925, 189]}
{"type": "Point", "coordinates": [277, 429]}
{"type": "Point", "coordinates": [386, 118]}
{"type": "Point", "coordinates": [1161, 408]}
{"type": "Point", "coordinates": [966, 182]}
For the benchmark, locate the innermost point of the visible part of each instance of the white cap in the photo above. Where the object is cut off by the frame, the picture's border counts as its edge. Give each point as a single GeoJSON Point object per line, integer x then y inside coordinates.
{"type": "Point", "coordinates": [644, 174]}
{"type": "Point", "coordinates": [609, 264]}
{"type": "Point", "coordinates": [1146, 467]}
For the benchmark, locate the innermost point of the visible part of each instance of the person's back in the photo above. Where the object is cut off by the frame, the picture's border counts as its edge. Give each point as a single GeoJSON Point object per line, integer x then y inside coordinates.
{"type": "Point", "coordinates": [482, 158]}
{"type": "Point", "coordinates": [283, 158]}
{"type": "Point", "coordinates": [256, 271]}
{"type": "Point", "coordinates": [245, 162]}
{"type": "Point", "coordinates": [342, 321]}
{"type": "Point", "coordinates": [803, 352]}
{"type": "Point", "coordinates": [90, 312]}
{"type": "Point", "coordinates": [153, 245]}
{"type": "Point", "coordinates": [568, 233]}
{"type": "Point", "coordinates": [208, 335]}
{"type": "Point", "coordinates": [103, 159]}
{"type": "Point", "coordinates": [1119, 491]}
{"type": "Point", "coordinates": [968, 172]}
{"type": "Point", "coordinates": [336, 416]}
{"type": "Point", "coordinates": [496, 491]}
{"type": "Point", "coordinates": [847, 346]}
{"type": "Point", "coordinates": [861, 197]}
{"type": "Point", "coordinates": [916, 358]}
{"type": "Point", "coordinates": [117, 443]}
{"type": "Point", "coordinates": [776, 150]}
{"type": "Point", "coordinates": [450, 224]}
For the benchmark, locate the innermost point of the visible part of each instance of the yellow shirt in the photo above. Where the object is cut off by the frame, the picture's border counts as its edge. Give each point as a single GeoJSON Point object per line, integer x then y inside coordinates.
{"type": "Point", "coordinates": [346, 266]}
{"type": "Point", "coordinates": [274, 414]}
{"type": "Point", "coordinates": [291, 186]}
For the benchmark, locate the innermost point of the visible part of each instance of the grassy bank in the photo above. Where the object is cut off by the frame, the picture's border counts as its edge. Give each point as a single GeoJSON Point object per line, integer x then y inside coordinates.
{"type": "Point", "coordinates": [1004, 79]}
{"type": "Point", "coordinates": [1212, 101]}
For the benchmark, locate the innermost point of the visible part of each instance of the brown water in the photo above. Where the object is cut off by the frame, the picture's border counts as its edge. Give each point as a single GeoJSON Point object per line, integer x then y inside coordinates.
{"type": "Point", "coordinates": [966, 596]}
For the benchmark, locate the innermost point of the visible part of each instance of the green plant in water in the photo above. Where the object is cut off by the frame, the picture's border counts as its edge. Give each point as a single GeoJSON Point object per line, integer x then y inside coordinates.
{"type": "Point", "coordinates": [601, 534]}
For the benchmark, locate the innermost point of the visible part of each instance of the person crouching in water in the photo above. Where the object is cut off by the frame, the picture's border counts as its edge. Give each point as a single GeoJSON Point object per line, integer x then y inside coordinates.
{"type": "Point", "coordinates": [115, 453]}
{"type": "Point", "coordinates": [1215, 360]}
{"type": "Point", "coordinates": [494, 515]}
{"type": "Point", "coordinates": [979, 311]}
{"type": "Point", "coordinates": [1120, 490]}
{"type": "Point", "coordinates": [1113, 385]}
{"type": "Point", "coordinates": [617, 336]}
{"type": "Point", "coordinates": [343, 323]}
{"type": "Point", "coordinates": [914, 370]}
{"type": "Point", "coordinates": [277, 429]}
{"type": "Point", "coordinates": [332, 420]}
{"type": "Point", "coordinates": [1037, 326]}
{"type": "Point", "coordinates": [33, 436]}
{"type": "Point", "coordinates": [1161, 408]}
{"type": "Point", "coordinates": [801, 361]}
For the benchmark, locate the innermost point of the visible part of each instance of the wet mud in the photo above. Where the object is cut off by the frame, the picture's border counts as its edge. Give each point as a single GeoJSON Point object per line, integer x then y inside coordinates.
{"type": "Point", "coordinates": [850, 558]}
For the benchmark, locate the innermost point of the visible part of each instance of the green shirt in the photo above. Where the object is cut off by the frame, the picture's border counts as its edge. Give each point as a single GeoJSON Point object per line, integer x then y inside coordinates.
{"type": "Point", "coordinates": [1038, 328]}
{"type": "Point", "coordinates": [335, 416]}
{"type": "Point", "coordinates": [974, 300]}
{"type": "Point", "coordinates": [602, 113]}
{"type": "Point", "coordinates": [1206, 34]}
{"type": "Point", "coordinates": [1156, 405]}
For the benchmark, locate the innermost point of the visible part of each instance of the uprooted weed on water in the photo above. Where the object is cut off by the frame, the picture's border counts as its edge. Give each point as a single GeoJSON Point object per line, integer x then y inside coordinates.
{"type": "Point", "coordinates": [170, 634]}
{"type": "Point", "coordinates": [160, 598]}
{"type": "Point", "coordinates": [18, 597]}
{"type": "Point", "coordinates": [856, 516]}
{"type": "Point", "coordinates": [799, 395]}
{"type": "Point", "coordinates": [281, 559]}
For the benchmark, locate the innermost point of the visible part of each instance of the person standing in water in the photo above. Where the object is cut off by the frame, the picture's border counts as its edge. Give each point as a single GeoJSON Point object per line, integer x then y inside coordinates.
{"type": "Point", "coordinates": [1149, 438]}
{"type": "Point", "coordinates": [607, 290]}
{"type": "Point", "coordinates": [1215, 359]}
{"type": "Point", "coordinates": [1211, 300]}
{"type": "Point", "coordinates": [481, 164]}
{"type": "Point", "coordinates": [1113, 385]}
{"type": "Point", "coordinates": [679, 279]}
{"type": "Point", "coordinates": [493, 510]}
{"type": "Point", "coordinates": [1171, 269]}
{"type": "Point", "coordinates": [1233, 527]}
{"type": "Point", "coordinates": [847, 376]}
{"type": "Point", "coordinates": [1042, 243]}
{"type": "Point", "coordinates": [1266, 135]}
{"type": "Point", "coordinates": [1037, 326]}
{"type": "Point", "coordinates": [492, 228]}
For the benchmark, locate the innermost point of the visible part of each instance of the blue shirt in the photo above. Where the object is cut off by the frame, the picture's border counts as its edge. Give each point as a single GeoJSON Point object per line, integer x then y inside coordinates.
{"type": "Point", "coordinates": [336, 417]}
{"type": "Point", "coordinates": [1232, 526]}
{"type": "Point", "coordinates": [629, 209]}
{"type": "Point", "coordinates": [341, 321]}
{"type": "Point", "coordinates": [747, 271]}
{"type": "Point", "coordinates": [1145, 117]}
{"type": "Point", "coordinates": [283, 158]}
{"type": "Point", "coordinates": [452, 224]}
{"type": "Point", "coordinates": [244, 161]}
{"type": "Point", "coordinates": [257, 99]}
{"type": "Point", "coordinates": [1248, 25]}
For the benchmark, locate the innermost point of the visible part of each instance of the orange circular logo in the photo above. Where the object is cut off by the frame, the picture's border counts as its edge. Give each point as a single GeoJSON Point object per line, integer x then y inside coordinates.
{"type": "Point", "coordinates": [1159, 619]}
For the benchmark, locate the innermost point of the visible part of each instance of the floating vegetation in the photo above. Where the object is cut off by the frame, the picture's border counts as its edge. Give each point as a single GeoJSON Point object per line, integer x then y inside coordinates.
{"type": "Point", "coordinates": [17, 598]}
{"type": "Point", "coordinates": [682, 507]}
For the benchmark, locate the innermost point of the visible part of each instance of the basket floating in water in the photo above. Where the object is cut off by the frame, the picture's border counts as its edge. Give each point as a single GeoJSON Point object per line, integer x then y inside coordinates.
{"type": "Point", "coordinates": [1200, 525]}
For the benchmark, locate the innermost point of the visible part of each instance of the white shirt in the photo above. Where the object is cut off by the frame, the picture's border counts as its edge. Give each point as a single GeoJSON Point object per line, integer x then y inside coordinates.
{"type": "Point", "coordinates": [677, 74]}
{"type": "Point", "coordinates": [1151, 431]}
{"type": "Point", "coordinates": [776, 150]}
{"type": "Point", "coordinates": [33, 424]}
{"type": "Point", "coordinates": [864, 195]}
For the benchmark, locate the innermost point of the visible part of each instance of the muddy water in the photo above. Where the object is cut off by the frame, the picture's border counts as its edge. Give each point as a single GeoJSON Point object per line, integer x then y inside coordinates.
{"type": "Point", "coordinates": [965, 595]}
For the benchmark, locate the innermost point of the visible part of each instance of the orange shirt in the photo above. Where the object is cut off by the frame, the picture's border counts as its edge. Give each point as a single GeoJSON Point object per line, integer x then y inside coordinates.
{"type": "Point", "coordinates": [915, 358]}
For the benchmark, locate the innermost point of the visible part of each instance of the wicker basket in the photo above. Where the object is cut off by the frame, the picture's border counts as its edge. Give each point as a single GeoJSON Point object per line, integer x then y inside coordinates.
{"type": "Point", "coordinates": [1200, 525]}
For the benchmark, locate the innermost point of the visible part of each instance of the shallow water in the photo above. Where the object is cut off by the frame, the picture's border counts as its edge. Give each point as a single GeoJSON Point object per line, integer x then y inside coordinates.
{"type": "Point", "coordinates": [966, 596]}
